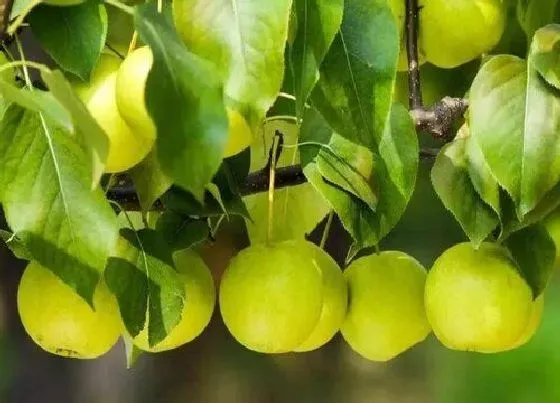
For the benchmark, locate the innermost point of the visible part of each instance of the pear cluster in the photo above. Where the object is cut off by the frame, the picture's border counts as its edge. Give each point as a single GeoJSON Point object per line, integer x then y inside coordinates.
{"type": "Point", "coordinates": [291, 296]}
{"type": "Point", "coordinates": [62, 323]}
{"type": "Point", "coordinates": [115, 96]}
{"type": "Point", "coordinates": [109, 97]}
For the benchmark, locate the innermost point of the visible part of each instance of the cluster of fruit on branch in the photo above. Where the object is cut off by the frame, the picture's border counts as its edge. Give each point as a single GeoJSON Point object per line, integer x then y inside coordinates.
{"type": "Point", "coordinates": [190, 115]}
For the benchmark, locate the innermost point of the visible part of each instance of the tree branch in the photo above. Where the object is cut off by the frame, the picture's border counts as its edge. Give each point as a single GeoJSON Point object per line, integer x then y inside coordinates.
{"type": "Point", "coordinates": [440, 119]}
{"type": "Point", "coordinates": [256, 182]}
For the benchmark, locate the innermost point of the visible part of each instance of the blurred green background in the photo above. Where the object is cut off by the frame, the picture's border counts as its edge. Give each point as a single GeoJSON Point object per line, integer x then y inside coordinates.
{"type": "Point", "coordinates": [214, 368]}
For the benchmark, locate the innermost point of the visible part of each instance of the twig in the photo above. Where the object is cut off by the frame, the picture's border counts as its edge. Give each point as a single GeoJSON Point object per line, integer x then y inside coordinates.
{"type": "Point", "coordinates": [414, 91]}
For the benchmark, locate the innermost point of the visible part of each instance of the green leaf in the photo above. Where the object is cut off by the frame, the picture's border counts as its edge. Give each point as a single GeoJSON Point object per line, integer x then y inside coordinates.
{"type": "Point", "coordinates": [73, 36]}
{"type": "Point", "coordinates": [150, 182]}
{"type": "Point", "coordinates": [182, 202]}
{"type": "Point", "coordinates": [245, 40]}
{"type": "Point", "coordinates": [480, 175]}
{"type": "Point", "coordinates": [45, 189]}
{"type": "Point", "coordinates": [534, 14]}
{"type": "Point", "coordinates": [93, 137]}
{"type": "Point", "coordinates": [520, 138]}
{"type": "Point", "coordinates": [20, 6]}
{"type": "Point", "coordinates": [120, 30]}
{"type": "Point", "coordinates": [143, 278]}
{"type": "Point", "coordinates": [317, 22]}
{"type": "Point", "coordinates": [16, 245]}
{"type": "Point", "coordinates": [37, 101]}
{"type": "Point", "coordinates": [453, 185]}
{"type": "Point", "coordinates": [534, 251]}
{"type": "Point", "coordinates": [545, 54]}
{"type": "Point", "coordinates": [349, 166]}
{"type": "Point", "coordinates": [184, 98]}
{"type": "Point", "coordinates": [549, 203]}
{"type": "Point", "coordinates": [395, 168]}
{"type": "Point", "coordinates": [355, 91]}
{"type": "Point", "coordinates": [180, 231]}
{"type": "Point", "coordinates": [357, 218]}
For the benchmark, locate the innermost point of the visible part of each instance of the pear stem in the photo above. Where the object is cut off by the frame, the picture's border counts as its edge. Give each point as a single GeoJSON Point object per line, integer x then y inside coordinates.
{"type": "Point", "coordinates": [271, 181]}
{"type": "Point", "coordinates": [24, 64]}
{"type": "Point", "coordinates": [327, 230]}
{"type": "Point", "coordinates": [133, 42]}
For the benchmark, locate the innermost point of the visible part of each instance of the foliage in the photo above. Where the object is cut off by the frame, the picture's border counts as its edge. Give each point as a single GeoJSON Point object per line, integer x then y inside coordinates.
{"type": "Point", "coordinates": [327, 66]}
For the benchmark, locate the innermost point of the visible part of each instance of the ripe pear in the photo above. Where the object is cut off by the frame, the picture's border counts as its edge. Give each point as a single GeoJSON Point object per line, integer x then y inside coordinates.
{"type": "Point", "coordinates": [476, 299]}
{"type": "Point", "coordinates": [200, 298]}
{"type": "Point", "coordinates": [239, 133]}
{"type": "Point", "coordinates": [131, 87]}
{"type": "Point", "coordinates": [386, 313]}
{"type": "Point", "coordinates": [335, 301]}
{"type": "Point", "coordinates": [60, 321]}
{"type": "Point", "coordinates": [126, 147]}
{"type": "Point", "coordinates": [454, 32]}
{"type": "Point", "coordinates": [271, 296]}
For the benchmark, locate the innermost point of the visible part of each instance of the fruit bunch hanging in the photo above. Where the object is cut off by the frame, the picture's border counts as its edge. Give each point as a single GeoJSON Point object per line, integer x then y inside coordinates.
{"type": "Point", "coordinates": [152, 124]}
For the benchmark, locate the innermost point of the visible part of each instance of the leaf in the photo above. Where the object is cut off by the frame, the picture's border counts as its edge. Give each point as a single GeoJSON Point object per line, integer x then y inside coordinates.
{"type": "Point", "coordinates": [515, 119]}
{"type": "Point", "coordinates": [316, 24]}
{"type": "Point", "coordinates": [453, 185]}
{"type": "Point", "coordinates": [534, 14]}
{"type": "Point", "coordinates": [95, 140]}
{"type": "Point", "coordinates": [48, 201]}
{"type": "Point", "coordinates": [481, 177]}
{"type": "Point", "coordinates": [184, 98]}
{"type": "Point", "coordinates": [395, 164]}
{"type": "Point", "coordinates": [37, 101]}
{"type": "Point", "coordinates": [545, 53]}
{"type": "Point", "coordinates": [549, 203]}
{"type": "Point", "coordinates": [215, 192]}
{"type": "Point", "coordinates": [147, 287]}
{"type": "Point", "coordinates": [355, 91]}
{"type": "Point", "coordinates": [150, 182]}
{"type": "Point", "coordinates": [181, 232]}
{"type": "Point", "coordinates": [535, 254]}
{"type": "Point", "coordinates": [73, 36]}
{"type": "Point", "coordinates": [20, 6]}
{"type": "Point", "coordinates": [182, 202]}
{"type": "Point", "coordinates": [245, 40]}
{"type": "Point", "coordinates": [16, 245]}
{"type": "Point", "coordinates": [349, 166]}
